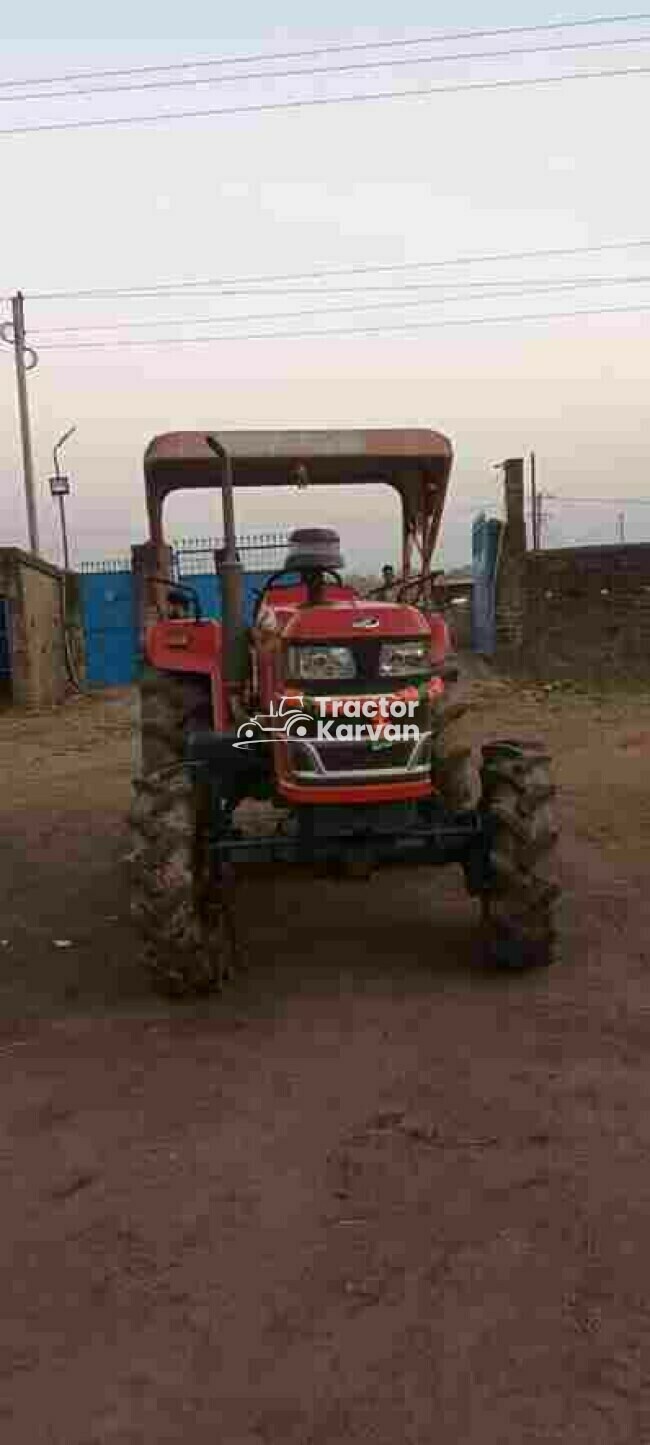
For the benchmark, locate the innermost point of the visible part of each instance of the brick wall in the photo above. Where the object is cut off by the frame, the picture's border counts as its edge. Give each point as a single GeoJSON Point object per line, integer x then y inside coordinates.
{"type": "Point", "coordinates": [588, 610]}
{"type": "Point", "coordinates": [574, 611]}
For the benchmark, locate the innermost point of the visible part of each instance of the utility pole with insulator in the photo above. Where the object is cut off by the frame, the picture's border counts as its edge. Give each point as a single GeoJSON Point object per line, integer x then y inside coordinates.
{"type": "Point", "coordinates": [25, 359]}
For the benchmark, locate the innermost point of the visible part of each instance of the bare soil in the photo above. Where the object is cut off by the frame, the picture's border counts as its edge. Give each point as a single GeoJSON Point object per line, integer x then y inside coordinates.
{"type": "Point", "coordinates": [375, 1194]}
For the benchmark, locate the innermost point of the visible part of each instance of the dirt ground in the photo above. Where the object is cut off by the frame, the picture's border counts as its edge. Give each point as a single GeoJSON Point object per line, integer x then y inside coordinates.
{"type": "Point", "coordinates": [376, 1194]}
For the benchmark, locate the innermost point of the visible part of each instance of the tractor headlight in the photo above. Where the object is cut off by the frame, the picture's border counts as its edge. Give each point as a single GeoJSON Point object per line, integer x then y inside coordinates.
{"type": "Point", "coordinates": [403, 659]}
{"type": "Point", "coordinates": [320, 664]}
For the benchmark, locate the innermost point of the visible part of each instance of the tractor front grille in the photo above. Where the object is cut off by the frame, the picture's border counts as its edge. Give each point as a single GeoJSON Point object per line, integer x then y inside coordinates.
{"type": "Point", "coordinates": [326, 761]}
{"type": "Point", "coordinates": [351, 757]}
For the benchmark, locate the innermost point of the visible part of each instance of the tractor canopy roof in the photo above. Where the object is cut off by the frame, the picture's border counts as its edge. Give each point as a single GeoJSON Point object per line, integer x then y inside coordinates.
{"type": "Point", "coordinates": [415, 462]}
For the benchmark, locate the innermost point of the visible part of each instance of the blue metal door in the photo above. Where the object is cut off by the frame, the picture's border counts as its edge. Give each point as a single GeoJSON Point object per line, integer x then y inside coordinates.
{"type": "Point", "coordinates": [486, 534]}
{"type": "Point", "coordinates": [107, 600]}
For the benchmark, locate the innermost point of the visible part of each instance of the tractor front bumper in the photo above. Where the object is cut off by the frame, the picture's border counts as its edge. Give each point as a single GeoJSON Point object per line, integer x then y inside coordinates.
{"type": "Point", "coordinates": [372, 835]}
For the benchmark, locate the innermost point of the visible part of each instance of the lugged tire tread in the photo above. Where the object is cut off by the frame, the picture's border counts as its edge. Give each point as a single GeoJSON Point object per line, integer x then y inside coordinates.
{"type": "Point", "coordinates": [183, 927]}
{"type": "Point", "coordinates": [451, 773]}
{"type": "Point", "coordinates": [519, 899]}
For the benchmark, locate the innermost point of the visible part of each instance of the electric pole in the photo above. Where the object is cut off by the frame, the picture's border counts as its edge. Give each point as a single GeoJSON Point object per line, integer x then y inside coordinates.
{"type": "Point", "coordinates": [620, 526]}
{"type": "Point", "coordinates": [533, 502]}
{"type": "Point", "coordinates": [60, 488]}
{"type": "Point", "coordinates": [25, 360]}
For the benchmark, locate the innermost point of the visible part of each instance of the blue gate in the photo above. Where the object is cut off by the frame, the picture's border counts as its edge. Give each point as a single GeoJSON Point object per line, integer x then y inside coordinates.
{"type": "Point", "coordinates": [109, 632]}
{"type": "Point", "coordinates": [108, 604]}
{"type": "Point", "coordinates": [260, 553]}
{"type": "Point", "coordinates": [208, 590]}
{"type": "Point", "coordinates": [486, 537]}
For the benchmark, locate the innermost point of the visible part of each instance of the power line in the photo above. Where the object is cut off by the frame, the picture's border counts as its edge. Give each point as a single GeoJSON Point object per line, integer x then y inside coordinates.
{"type": "Point", "coordinates": [386, 292]}
{"type": "Point", "coordinates": [346, 68]}
{"type": "Point", "coordinates": [334, 332]}
{"type": "Point", "coordinates": [322, 273]}
{"type": "Point", "coordinates": [263, 107]}
{"type": "Point", "coordinates": [596, 501]}
{"type": "Point", "coordinates": [491, 294]}
{"type": "Point", "coordinates": [440, 37]}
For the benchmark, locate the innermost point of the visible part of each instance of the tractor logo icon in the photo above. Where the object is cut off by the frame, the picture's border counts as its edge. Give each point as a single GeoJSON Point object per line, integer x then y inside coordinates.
{"type": "Point", "coordinates": [288, 721]}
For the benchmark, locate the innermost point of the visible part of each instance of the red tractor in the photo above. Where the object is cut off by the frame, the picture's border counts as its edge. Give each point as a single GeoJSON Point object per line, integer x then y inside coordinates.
{"type": "Point", "coordinates": [333, 708]}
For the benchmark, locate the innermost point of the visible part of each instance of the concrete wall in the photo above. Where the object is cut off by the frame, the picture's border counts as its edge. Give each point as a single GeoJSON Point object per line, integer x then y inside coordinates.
{"type": "Point", "coordinates": [573, 611]}
{"type": "Point", "coordinates": [39, 675]}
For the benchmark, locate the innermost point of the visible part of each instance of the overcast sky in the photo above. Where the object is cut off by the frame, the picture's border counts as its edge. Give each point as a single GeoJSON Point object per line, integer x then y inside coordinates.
{"type": "Point", "coordinates": [291, 191]}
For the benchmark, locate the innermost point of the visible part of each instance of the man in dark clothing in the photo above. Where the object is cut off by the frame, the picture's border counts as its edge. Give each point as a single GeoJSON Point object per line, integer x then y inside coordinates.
{"type": "Point", "coordinates": [388, 583]}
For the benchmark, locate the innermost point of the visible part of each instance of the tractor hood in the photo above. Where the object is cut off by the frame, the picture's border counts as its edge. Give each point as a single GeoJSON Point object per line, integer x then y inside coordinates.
{"type": "Point", "coordinates": [355, 622]}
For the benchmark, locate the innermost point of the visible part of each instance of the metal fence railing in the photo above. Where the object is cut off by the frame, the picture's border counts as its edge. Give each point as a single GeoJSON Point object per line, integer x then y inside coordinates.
{"type": "Point", "coordinates": [258, 552]}
{"type": "Point", "coordinates": [194, 556]}
{"type": "Point", "coordinates": [107, 564]}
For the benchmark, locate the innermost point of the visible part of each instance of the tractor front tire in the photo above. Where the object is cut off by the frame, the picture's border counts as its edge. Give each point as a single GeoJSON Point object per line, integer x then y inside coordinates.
{"type": "Point", "coordinates": [451, 760]}
{"type": "Point", "coordinates": [519, 897]}
{"type": "Point", "coordinates": [186, 941]}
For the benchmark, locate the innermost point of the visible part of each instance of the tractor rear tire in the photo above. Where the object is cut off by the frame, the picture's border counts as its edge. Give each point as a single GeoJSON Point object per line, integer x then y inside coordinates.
{"type": "Point", "coordinates": [182, 921]}
{"type": "Point", "coordinates": [518, 902]}
{"type": "Point", "coordinates": [451, 760]}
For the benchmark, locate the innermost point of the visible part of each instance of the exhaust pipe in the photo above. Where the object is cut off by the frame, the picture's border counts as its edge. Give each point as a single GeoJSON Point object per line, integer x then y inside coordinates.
{"type": "Point", "coordinates": [231, 572]}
